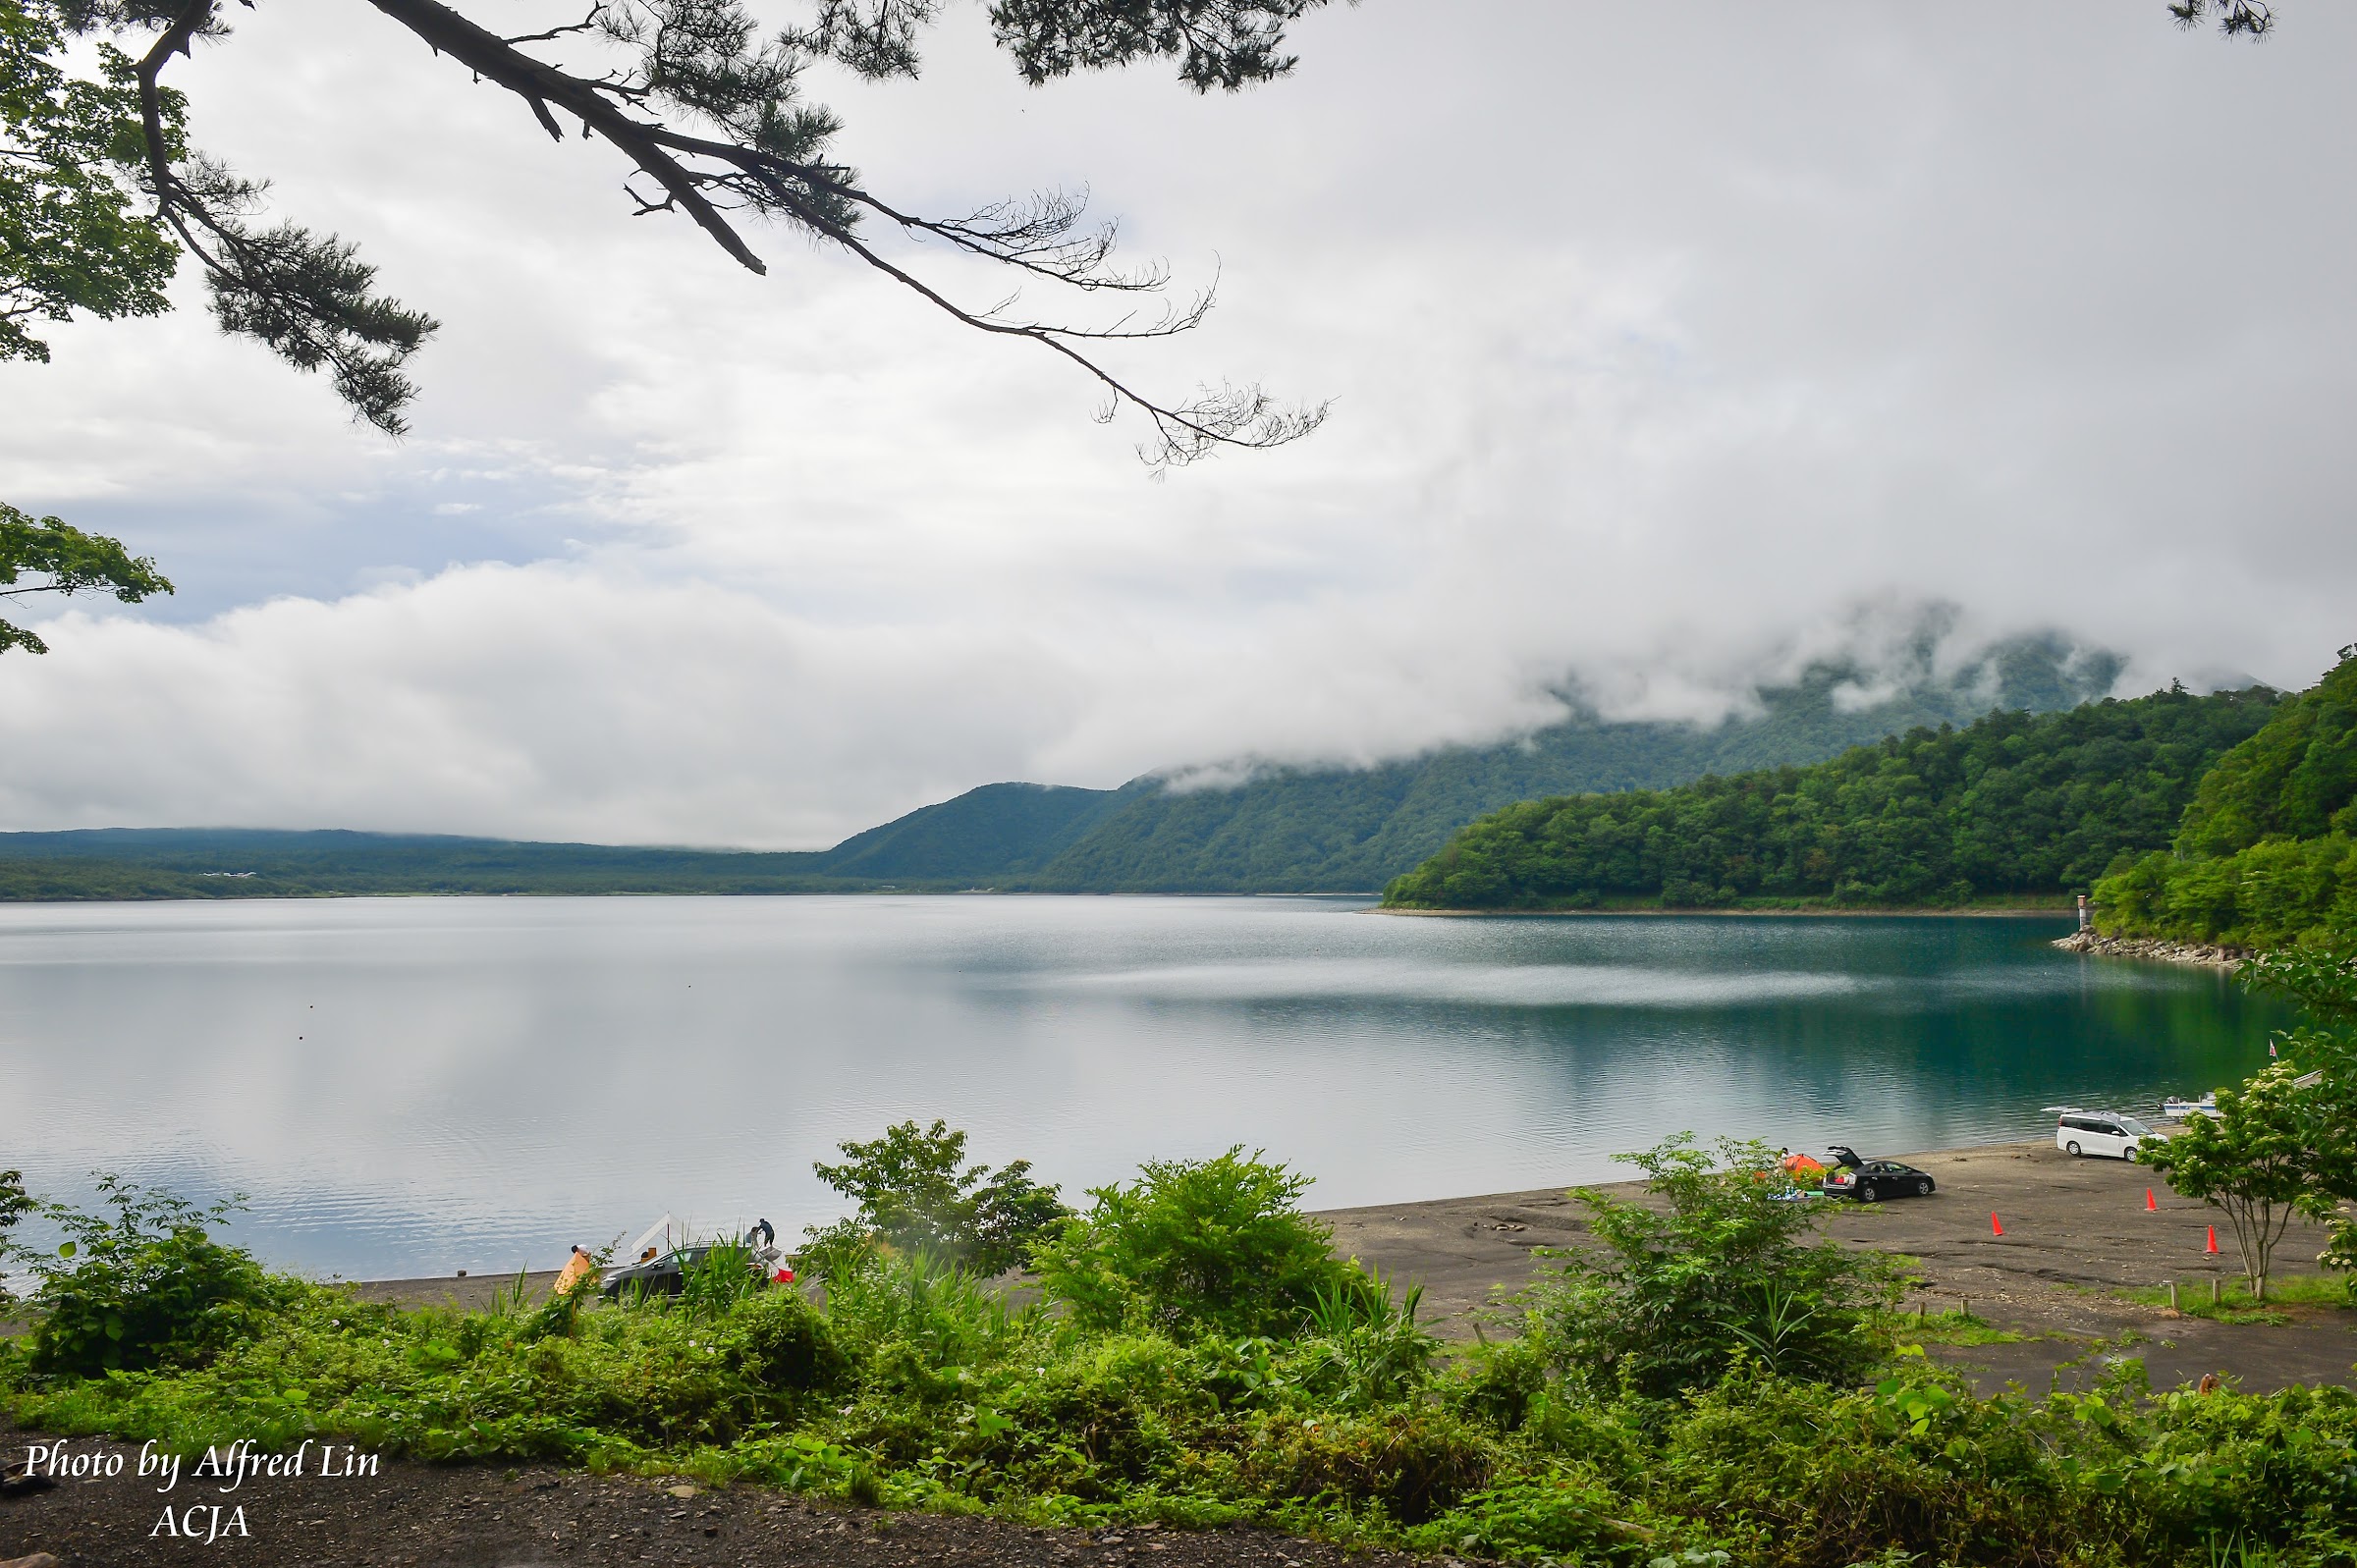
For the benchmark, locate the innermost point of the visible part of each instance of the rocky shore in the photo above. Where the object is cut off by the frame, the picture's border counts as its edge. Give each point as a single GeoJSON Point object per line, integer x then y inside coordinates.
{"type": "Point", "coordinates": [2090, 941]}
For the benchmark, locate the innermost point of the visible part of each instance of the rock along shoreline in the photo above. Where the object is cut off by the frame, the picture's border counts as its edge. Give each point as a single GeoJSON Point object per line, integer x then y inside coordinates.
{"type": "Point", "coordinates": [2101, 947]}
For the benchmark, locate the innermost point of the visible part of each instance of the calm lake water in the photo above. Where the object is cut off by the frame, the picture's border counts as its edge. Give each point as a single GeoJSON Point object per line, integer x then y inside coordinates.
{"type": "Point", "coordinates": [419, 1085]}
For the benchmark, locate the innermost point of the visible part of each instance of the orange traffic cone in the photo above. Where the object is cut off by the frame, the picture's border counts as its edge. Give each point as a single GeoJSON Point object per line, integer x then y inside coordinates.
{"type": "Point", "coordinates": [2213, 1248]}
{"type": "Point", "coordinates": [2149, 1206]}
{"type": "Point", "coordinates": [1995, 1229]}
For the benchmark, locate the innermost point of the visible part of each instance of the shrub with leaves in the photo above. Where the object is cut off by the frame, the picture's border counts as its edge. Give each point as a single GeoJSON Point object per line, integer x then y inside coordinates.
{"type": "Point", "coordinates": [1717, 1272]}
{"type": "Point", "coordinates": [141, 1287]}
{"type": "Point", "coordinates": [15, 1204]}
{"type": "Point", "coordinates": [1195, 1246]}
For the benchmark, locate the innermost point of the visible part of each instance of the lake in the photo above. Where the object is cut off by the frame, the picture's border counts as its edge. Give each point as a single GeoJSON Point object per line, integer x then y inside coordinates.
{"type": "Point", "coordinates": [414, 1086]}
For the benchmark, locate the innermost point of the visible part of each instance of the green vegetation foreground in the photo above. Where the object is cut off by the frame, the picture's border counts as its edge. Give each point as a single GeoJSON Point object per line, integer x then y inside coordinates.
{"type": "Point", "coordinates": [2013, 806]}
{"type": "Point", "coordinates": [1712, 1385]}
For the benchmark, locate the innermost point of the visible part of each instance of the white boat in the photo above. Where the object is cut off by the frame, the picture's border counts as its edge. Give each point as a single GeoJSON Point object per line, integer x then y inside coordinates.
{"type": "Point", "coordinates": [2177, 1109]}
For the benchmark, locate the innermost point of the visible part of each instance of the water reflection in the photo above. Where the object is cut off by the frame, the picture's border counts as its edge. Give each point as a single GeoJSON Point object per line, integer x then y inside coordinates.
{"type": "Point", "coordinates": [421, 1085]}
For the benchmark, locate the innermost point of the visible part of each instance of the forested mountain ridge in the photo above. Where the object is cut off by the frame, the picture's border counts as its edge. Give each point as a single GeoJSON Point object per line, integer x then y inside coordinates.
{"type": "Point", "coordinates": [2267, 852]}
{"type": "Point", "coordinates": [993, 831]}
{"type": "Point", "coordinates": [982, 832]}
{"type": "Point", "coordinates": [1284, 830]}
{"type": "Point", "coordinates": [1336, 830]}
{"type": "Point", "coordinates": [2013, 805]}
{"type": "Point", "coordinates": [121, 863]}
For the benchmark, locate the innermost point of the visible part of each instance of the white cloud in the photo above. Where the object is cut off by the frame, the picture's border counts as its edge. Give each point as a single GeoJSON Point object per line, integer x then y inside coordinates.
{"type": "Point", "coordinates": [1668, 350]}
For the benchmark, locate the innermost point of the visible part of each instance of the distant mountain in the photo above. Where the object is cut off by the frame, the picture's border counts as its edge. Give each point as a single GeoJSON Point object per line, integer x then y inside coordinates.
{"type": "Point", "coordinates": [997, 831]}
{"type": "Point", "coordinates": [1284, 830]}
{"type": "Point", "coordinates": [259, 863]}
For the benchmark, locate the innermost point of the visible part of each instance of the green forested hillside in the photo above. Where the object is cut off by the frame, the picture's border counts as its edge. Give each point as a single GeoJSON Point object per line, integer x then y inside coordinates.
{"type": "Point", "coordinates": [2268, 850]}
{"type": "Point", "coordinates": [992, 833]}
{"type": "Point", "coordinates": [1333, 830]}
{"type": "Point", "coordinates": [983, 834]}
{"type": "Point", "coordinates": [1298, 830]}
{"type": "Point", "coordinates": [2013, 805]}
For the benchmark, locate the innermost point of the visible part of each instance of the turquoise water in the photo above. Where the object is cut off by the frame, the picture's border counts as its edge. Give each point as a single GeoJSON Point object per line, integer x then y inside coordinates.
{"type": "Point", "coordinates": [416, 1086]}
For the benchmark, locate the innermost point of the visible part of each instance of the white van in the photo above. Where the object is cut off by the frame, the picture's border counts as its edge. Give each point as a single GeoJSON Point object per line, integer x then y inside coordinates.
{"type": "Point", "coordinates": [2098, 1132]}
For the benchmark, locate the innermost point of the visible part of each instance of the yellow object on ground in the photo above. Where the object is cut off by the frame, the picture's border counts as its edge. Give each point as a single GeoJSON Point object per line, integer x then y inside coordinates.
{"type": "Point", "coordinates": [578, 1267]}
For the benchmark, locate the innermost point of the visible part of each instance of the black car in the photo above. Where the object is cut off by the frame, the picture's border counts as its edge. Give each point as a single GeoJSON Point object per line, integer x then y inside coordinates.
{"type": "Point", "coordinates": [1873, 1181]}
{"type": "Point", "coordinates": [661, 1275]}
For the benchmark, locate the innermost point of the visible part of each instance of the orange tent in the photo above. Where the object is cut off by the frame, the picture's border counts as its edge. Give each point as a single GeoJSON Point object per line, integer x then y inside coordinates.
{"type": "Point", "coordinates": [578, 1267]}
{"type": "Point", "coordinates": [1799, 1166]}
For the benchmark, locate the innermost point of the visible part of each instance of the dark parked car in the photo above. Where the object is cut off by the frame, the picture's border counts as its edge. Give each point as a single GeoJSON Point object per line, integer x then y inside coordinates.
{"type": "Point", "coordinates": [665, 1273]}
{"type": "Point", "coordinates": [1873, 1181]}
{"type": "Point", "coordinates": [656, 1276]}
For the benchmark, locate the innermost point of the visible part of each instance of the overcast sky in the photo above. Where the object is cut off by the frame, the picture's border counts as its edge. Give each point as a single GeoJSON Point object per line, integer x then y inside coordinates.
{"type": "Point", "coordinates": [1669, 345]}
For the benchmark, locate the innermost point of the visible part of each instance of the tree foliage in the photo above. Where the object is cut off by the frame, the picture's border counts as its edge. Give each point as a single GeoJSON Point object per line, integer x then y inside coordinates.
{"type": "Point", "coordinates": [72, 234]}
{"type": "Point", "coordinates": [2013, 804]}
{"type": "Point", "coordinates": [2266, 854]}
{"type": "Point", "coordinates": [711, 116]}
{"type": "Point", "coordinates": [44, 555]}
{"type": "Point", "coordinates": [916, 1193]}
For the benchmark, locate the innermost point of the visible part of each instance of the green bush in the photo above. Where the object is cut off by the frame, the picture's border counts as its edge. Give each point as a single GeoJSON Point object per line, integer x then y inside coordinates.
{"type": "Point", "coordinates": [1415, 1461]}
{"type": "Point", "coordinates": [1720, 1275]}
{"type": "Point", "coordinates": [915, 1385]}
{"type": "Point", "coordinates": [15, 1204]}
{"type": "Point", "coordinates": [1833, 1477]}
{"type": "Point", "coordinates": [142, 1287]}
{"type": "Point", "coordinates": [784, 1342]}
{"type": "Point", "coordinates": [1559, 1515]}
{"type": "Point", "coordinates": [1195, 1246]}
{"type": "Point", "coordinates": [941, 1316]}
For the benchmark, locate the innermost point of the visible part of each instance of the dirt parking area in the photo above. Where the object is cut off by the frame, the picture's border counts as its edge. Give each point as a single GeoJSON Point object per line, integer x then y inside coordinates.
{"type": "Point", "coordinates": [2074, 1233]}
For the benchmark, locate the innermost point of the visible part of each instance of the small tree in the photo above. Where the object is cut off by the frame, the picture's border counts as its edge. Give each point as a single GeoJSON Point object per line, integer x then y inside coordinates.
{"type": "Point", "coordinates": [916, 1193]}
{"type": "Point", "coordinates": [2270, 1154]}
{"type": "Point", "coordinates": [2320, 974]}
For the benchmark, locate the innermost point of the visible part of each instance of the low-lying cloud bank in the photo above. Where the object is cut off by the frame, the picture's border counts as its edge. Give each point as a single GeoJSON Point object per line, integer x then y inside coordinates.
{"type": "Point", "coordinates": [562, 702]}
